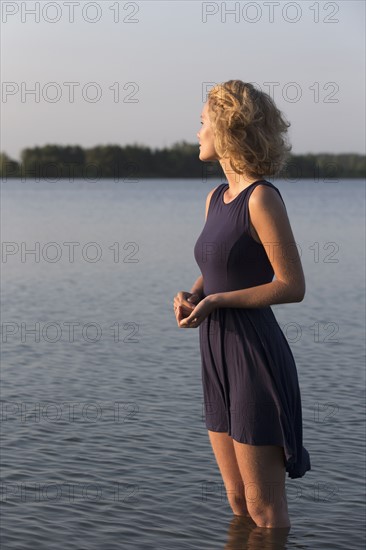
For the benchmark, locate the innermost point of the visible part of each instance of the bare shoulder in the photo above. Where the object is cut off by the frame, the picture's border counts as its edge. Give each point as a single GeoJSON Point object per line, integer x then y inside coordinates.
{"type": "Point", "coordinates": [268, 215]}
{"type": "Point", "coordinates": [266, 198]}
{"type": "Point", "coordinates": [208, 200]}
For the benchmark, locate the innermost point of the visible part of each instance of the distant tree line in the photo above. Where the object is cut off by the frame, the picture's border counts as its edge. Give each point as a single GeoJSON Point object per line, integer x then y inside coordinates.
{"type": "Point", "coordinates": [181, 160]}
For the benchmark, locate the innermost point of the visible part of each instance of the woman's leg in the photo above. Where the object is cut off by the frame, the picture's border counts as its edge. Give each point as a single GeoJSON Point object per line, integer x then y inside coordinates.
{"type": "Point", "coordinates": [263, 470]}
{"type": "Point", "coordinates": [223, 448]}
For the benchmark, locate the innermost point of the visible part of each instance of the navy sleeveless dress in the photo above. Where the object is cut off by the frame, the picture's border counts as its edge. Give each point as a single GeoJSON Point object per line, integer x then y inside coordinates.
{"type": "Point", "coordinates": [249, 376]}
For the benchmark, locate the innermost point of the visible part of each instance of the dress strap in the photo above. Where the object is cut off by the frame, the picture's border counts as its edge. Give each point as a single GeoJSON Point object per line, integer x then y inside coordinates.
{"type": "Point", "coordinates": [265, 182]}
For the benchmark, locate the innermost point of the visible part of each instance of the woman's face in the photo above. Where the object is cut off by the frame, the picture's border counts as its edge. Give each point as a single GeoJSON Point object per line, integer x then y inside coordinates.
{"type": "Point", "coordinates": [206, 137]}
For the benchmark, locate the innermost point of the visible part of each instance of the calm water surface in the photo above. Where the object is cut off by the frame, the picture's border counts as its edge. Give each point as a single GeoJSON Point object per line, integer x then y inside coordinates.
{"type": "Point", "coordinates": [103, 438]}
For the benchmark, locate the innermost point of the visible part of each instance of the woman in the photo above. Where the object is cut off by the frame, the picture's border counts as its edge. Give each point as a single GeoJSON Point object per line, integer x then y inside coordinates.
{"type": "Point", "coordinates": [250, 384]}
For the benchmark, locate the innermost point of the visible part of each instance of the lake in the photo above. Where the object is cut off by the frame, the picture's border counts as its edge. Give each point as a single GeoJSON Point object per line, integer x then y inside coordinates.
{"type": "Point", "coordinates": [103, 437]}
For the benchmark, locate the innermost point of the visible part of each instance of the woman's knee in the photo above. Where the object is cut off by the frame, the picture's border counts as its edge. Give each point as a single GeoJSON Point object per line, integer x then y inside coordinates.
{"type": "Point", "coordinates": [269, 514]}
{"type": "Point", "coordinates": [237, 503]}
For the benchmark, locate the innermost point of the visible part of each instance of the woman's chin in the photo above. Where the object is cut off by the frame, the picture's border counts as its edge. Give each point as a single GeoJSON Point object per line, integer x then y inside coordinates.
{"type": "Point", "coordinates": [205, 158]}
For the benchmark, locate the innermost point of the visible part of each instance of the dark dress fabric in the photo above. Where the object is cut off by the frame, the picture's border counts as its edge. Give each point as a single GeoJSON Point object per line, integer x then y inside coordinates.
{"type": "Point", "coordinates": [249, 377]}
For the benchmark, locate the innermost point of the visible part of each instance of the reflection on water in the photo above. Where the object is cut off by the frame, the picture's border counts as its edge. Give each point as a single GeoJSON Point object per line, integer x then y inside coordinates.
{"type": "Point", "coordinates": [243, 533]}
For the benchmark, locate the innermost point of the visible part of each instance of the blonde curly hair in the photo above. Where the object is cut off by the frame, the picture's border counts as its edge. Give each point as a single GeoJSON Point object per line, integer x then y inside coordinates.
{"type": "Point", "coordinates": [248, 128]}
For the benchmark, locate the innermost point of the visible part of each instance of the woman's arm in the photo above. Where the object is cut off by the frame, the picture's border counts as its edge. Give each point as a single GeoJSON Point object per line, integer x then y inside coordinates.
{"type": "Point", "coordinates": [269, 218]}
{"type": "Point", "coordinates": [197, 287]}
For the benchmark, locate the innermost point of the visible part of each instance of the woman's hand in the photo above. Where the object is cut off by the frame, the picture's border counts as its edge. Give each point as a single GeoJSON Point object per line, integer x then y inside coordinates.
{"type": "Point", "coordinates": [184, 303]}
{"type": "Point", "coordinates": [199, 313]}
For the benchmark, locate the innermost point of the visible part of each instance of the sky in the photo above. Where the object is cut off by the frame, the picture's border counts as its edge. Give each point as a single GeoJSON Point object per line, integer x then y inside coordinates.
{"type": "Point", "coordinates": [113, 72]}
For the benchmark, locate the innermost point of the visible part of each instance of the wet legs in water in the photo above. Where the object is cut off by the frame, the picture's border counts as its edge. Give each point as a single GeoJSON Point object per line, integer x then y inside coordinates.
{"type": "Point", "coordinates": [254, 479]}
